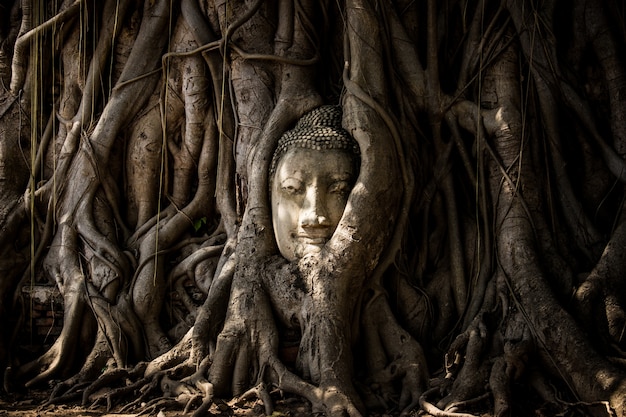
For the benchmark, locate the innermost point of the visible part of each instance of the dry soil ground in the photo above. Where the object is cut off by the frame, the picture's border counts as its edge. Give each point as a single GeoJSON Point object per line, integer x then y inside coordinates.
{"type": "Point", "coordinates": [31, 405]}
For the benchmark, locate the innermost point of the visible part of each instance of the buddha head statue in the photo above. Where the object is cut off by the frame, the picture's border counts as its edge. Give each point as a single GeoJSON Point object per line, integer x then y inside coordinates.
{"type": "Point", "coordinates": [312, 173]}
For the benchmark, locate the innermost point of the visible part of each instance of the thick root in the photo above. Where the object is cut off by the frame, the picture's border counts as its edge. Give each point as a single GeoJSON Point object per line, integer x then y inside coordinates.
{"type": "Point", "coordinates": [392, 355]}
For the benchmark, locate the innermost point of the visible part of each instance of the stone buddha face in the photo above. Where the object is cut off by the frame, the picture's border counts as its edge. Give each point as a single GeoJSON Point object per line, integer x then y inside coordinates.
{"type": "Point", "coordinates": [309, 193]}
{"type": "Point", "coordinates": [311, 180]}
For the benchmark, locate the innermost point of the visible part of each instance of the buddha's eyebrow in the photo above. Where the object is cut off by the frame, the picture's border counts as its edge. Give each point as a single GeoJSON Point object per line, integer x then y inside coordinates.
{"type": "Point", "coordinates": [342, 176]}
{"type": "Point", "coordinates": [293, 176]}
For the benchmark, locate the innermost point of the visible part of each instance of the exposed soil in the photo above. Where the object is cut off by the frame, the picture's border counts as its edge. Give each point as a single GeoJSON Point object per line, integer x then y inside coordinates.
{"type": "Point", "coordinates": [32, 404]}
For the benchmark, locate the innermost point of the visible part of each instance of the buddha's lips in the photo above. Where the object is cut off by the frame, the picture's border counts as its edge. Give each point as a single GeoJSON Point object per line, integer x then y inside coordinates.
{"type": "Point", "coordinates": [314, 235]}
{"type": "Point", "coordinates": [309, 240]}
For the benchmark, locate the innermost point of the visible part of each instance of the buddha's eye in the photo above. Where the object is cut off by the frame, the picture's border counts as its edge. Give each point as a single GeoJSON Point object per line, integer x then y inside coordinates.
{"type": "Point", "coordinates": [292, 186]}
{"type": "Point", "coordinates": [339, 187]}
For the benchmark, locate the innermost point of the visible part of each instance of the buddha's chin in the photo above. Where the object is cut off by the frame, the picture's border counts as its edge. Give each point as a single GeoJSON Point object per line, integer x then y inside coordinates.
{"type": "Point", "coordinates": [311, 246]}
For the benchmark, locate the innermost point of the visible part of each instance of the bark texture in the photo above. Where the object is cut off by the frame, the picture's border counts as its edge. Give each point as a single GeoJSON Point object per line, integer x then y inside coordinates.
{"type": "Point", "coordinates": [478, 266]}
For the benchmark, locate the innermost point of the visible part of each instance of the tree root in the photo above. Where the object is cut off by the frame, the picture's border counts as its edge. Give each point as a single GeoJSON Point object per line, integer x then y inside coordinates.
{"type": "Point", "coordinates": [105, 380]}
{"type": "Point", "coordinates": [392, 354]}
{"type": "Point", "coordinates": [158, 404]}
{"type": "Point", "coordinates": [18, 68]}
{"type": "Point", "coordinates": [146, 388]}
{"type": "Point", "coordinates": [96, 360]}
{"type": "Point", "coordinates": [466, 364]}
{"type": "Point", "coordinates": [55, 360]}
{"type": "Point", "coordinates": [599, 302]}
{"type": "Point", "coordinates": [169, 388]}
{"type": "Point", "coordinates": [434, 410]}
{"type": "Point", "coordinates": [261, 392]}
{"type": "Point", "coordinates": [73, 392]}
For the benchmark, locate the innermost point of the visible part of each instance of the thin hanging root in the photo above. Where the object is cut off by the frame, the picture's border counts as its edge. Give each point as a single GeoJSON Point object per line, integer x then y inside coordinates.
{"type": "Point", "coordinates": [581, 108]}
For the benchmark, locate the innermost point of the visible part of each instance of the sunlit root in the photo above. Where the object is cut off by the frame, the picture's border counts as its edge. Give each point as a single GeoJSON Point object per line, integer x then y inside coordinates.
{"type": "Point", "coordinates": [212, 313]}
{"type": "Point", "coordinates": [175, 394]}
{"type": "Point", "coordinates": [434, 410]}
{"type": "Point", "coordinates": [169, 381]}
{"type": "Point", "coordinates": [328, 399]}
{"type": "Point", "coordinates": [179, 354]}
{"type": "Point", "coordinates": [99, 358]}
{"type": "Point", "coordinates": [60, 355]}
{"type": "Point", "coordinates": [261, 392]}
{"type": "Point", "coordinates": [235, 361]}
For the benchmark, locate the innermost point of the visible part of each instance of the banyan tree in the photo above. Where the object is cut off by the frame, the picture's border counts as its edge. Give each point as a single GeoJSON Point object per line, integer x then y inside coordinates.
{"type": "Point", "coordinates": [460, 164]}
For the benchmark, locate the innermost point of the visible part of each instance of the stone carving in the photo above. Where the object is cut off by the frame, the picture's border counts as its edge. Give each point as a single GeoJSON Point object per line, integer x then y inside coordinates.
{"type": "Point", "coordinates": [312, 172]}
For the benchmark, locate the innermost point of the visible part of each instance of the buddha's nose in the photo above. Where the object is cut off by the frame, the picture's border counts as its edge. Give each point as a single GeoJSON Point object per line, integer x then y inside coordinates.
{"type": "Point", "coordinates": [314, 213]}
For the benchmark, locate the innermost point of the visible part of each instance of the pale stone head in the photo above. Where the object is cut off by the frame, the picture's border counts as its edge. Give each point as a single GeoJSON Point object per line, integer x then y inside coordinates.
{"type": "Point", "coordinates": [313, 170]}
